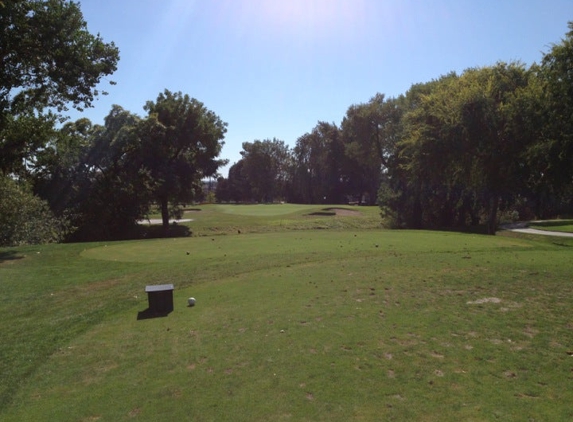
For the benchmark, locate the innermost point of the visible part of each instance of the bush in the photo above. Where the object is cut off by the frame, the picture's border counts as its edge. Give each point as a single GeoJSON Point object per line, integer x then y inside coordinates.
{"type": "Point", "coordinates": [24, 218]}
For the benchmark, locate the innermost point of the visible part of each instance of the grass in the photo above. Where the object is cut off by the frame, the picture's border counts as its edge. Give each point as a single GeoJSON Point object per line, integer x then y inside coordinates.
{"type": "Point", "coordinates": [330, 324]}
{"type": "Point", "coordinates": [231, 219]}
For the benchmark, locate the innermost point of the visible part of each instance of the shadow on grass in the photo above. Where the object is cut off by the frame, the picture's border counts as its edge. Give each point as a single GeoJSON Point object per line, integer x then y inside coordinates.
{"type": "Point", "coordinates": [9, 256]}
{"type": "Point", "coordinates": [323, 213]}
{"type": "Point", "coordinates": [152, 313]}
{"type": "Point", "coordinates": [481, 229]}
{"type": "Point", "coordinates": [156, 231]}
{"type": "Point", "coordinates": [133, 232]}
{"type": "Point", "coordinates": [334, 211]}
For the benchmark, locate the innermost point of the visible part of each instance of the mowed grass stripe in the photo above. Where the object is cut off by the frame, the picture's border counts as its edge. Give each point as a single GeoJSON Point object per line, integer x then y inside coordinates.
{"type": "Point", "coordinates": [263, 210]}
{"type": "Point", "coordinates": [183, 250]}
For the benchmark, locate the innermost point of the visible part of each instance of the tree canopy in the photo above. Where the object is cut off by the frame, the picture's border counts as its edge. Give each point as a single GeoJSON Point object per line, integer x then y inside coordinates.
{"type": "Point", "coordinates": [180, 144]}
{"type": "Point", "coordinates": [49, 58]}
{"type": "Point", "coordinates": [49, 61]}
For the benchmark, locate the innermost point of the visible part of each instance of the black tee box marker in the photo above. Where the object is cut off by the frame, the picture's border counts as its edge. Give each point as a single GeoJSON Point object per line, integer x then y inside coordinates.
{"type": "Point", "coordinates": [160, 297]}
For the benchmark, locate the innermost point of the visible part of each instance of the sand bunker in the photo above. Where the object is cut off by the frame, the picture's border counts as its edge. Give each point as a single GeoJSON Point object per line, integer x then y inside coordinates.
{"type": "Point", "coordinates": [343, 211]}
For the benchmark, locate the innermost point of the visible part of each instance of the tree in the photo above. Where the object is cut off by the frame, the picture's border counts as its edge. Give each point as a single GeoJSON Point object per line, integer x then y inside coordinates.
{"type": "Point", "coordinates": [318, 161]}
{"type": "Point", "coordinates": [463, 143]}
{"type": "Point", "coordinates": [493, 136]}
{"type": "Point", "coordinates": [239, 189]}
{"type": "Point", "coordinates": [110, 187]}
{"type": "Point", "coordinates": [222, 190]}
{"type": "Point", "coordinates": [409, 177]}
{"type": "Point", "coordinates": [48, 60]}
{"type": "Point", "coordinates": [180, 142]}
{"type": "Point", "coordinates": [552, 155]}
{"type": "Point", "coordinates": [60, 163]}
{"type": "Point", "coordinates": [21, 138]}
{"type": "Point", "coordinates": [266, 166]}
{"type": "Point", "coordinates": [370, 132]}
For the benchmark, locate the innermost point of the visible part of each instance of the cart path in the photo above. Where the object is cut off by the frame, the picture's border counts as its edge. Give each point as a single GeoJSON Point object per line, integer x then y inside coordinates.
{"type": "Point", "coordinates": [160, 221]}
{"type": "Point", "coordinates": [522, 228]}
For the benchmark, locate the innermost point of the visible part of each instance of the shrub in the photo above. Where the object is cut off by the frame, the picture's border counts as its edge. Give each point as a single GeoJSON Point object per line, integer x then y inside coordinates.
{"type": "Point", "coordinates": [25, 219]}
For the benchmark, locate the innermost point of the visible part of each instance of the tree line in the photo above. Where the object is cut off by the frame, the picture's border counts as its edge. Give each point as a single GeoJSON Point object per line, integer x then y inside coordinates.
{"type": "Point", "coordinates": [457, 151]}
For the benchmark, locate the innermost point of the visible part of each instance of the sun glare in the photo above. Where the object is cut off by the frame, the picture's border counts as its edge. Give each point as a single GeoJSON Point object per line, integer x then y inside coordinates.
{"type": "Point", "coordinates": [319, 18]}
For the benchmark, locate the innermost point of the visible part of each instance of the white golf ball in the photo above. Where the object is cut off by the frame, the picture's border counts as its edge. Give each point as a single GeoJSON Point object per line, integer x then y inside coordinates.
{"type": "Point", "coordinates": [191, 301]}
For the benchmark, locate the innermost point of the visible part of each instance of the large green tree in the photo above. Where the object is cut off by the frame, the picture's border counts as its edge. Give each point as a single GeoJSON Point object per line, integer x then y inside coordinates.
{"type": "Point", "coordinates": [370, 132]}
{"type": "Point", "coordinates": [49, 58]}
{"type": "Point", "coordinates": [266, 165]}
{"type": "Point", "coordinates": [464, 142]}
{"type": "Point", "coordinates": [492, 141]}
{"type": "Point", "coordinates": [318, 175]}
{"type": "Point", "coordinates": [49, 61]}
{"type": "Point", "coordinates": [180, 144]}
{"type": "Point", "coordinates": [551, 157]}
{"type": "Point", "coordinates": [109, 186]}
{"type": "Point", "coordinates": [60, 164]}
{"type": "Point", "coordinates": [239, 188]}
{"type": "Point", "coordinates": [413, 180]}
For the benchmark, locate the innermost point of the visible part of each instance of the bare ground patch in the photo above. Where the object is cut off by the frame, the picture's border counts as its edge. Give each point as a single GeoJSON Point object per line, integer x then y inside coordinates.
{"type": "Point", "coordinates": [485, 300]}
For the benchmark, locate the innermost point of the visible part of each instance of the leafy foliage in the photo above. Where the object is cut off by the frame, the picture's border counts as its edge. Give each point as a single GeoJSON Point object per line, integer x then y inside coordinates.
{"type": "Point", "coordinates": [49, 58]}
{"type": "Point", "coordinates": [180, 142]}
{"type": "Point", "coordinates": [370, 132]}
{"type": "Point", "coordinates": [48, 61]}
{"type": "Point", "coordinates": [25, 218]}
{"type": "Point", "coordinates": [111, 187]}
{"type": "Point", "coordinates": [318, 170]}
{"type": "Point", "coordinates": [266, 165]}
{"type": "Point", "coordinates": [108, 177]}
{"type": "Point", "coordinates": [551, 156]}
{"type": "Point", "coordinates": [462, 146]}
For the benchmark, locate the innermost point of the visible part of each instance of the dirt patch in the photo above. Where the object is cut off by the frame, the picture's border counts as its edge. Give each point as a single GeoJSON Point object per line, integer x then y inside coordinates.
{"type": "Point", "coordinates": [485, 300]}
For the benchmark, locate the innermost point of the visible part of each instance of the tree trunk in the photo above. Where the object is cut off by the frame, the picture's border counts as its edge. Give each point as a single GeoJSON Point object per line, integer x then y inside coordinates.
{"type": "Point", "coordinates": [165, 215]}
{"type": "Point", "coordinates": [492, 217]}
{"type": "Point", "coordinates": [417, 214]}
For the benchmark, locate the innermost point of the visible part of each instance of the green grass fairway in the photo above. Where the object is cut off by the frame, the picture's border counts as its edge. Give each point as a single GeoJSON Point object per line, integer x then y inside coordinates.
{"type": "Point", "coordinates": [212, 219]}
{"type": "Point", "coordinates": [263, 210]}
{"type": "Point", "coordinates": [290, 324]}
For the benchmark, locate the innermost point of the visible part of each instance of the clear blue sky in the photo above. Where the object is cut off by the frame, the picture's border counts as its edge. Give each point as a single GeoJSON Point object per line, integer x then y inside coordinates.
{"type": "Point", "coordinates": [274, 68]}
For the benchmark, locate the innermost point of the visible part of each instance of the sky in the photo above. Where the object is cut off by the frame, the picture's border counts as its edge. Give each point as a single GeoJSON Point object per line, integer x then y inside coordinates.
{"type": "Point", "coordinates": [275, 68]}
